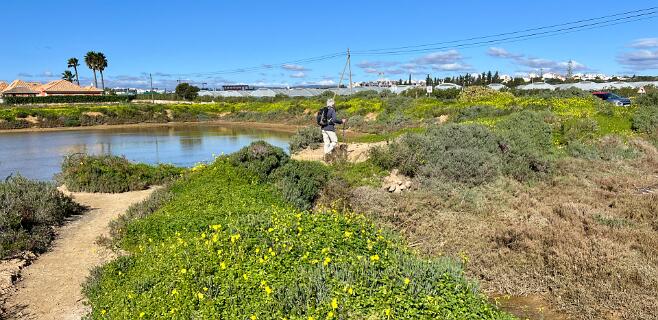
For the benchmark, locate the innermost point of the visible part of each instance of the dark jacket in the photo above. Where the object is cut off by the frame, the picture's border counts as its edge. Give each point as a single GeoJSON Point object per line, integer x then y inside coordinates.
{"type": "Point", "coordinates": [331, 120]}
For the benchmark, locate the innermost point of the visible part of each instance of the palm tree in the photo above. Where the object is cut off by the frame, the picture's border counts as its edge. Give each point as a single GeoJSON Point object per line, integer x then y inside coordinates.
{"type": "Point", "coordinates": [101, 64]}
{"type": "Point", "coordinates": [73, 63]}
{"type": "Point", "coordinates": [91, 62]}
{"type": "Point", "coordinates": [67, 75]}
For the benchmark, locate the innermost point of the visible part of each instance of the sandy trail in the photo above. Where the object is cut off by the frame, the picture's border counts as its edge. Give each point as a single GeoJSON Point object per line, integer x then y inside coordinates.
{"type": "Point", "coordinates": [51, 286]}
{"type": "Point", "coordinates": [356, 152]}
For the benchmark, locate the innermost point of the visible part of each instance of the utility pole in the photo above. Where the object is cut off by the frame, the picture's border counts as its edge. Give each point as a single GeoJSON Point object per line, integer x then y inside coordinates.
{"type": "Point", "coordinates": [349, 66]}
{"type": "Point", "coordinates": [570, 70]}
{"type": "Point", "coordinates": [152, 98]}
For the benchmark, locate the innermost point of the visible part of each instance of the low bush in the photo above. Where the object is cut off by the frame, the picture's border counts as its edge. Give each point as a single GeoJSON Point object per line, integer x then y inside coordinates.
{"type": "Point", "coordinates": [113, 174]}
{"type": "Point", "coordinates": [645, 119]}
{"type": "Point", "coordinates": [461, 153]}
{"type": "Point", "coordinates": [67, 99]}
{"type": "Point", "coordinates": [228, 247]}
{"type": "Point", "coordinates": [260, 158]}
{"type": "Point", "coordinates": [581, 129]}
{"type": "Point", "coordinates": [300, 182]}
{"type": "Point", "coordinates": [526, 144]}
{"type": "Point", "coordinates": [28, 211]}
{"type": "Point", "coordinates": [306, 137]}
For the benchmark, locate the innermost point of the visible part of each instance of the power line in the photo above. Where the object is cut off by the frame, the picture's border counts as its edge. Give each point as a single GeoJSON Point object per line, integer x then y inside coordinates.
{"type": "Point", "coordinates": [515, 32]}
{"type": "Point", "coordinates": [601, 24]}
{"type": "Point", "coordinates": [521, 35]}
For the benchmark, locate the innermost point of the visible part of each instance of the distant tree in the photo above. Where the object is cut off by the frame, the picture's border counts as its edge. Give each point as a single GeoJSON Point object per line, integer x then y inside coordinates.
{"type": "Point", "coordinates": [489, 77]}
{"type": "Point", "coordinates": [74, 63]}
{"type": "Point", "coordinates": [101, 64]}
{"type": "Point", "coordinates": [496, 78]}
{"type": "Point", "coordinates": [68, 75]}
{"type": "Point", "coordinates": [428, 80]}
{"type": "Point", "coordinates": [187, 91]}
{"type": "Point", "coordinates": [91, 62]}
{"type": "Point", "coordinates": [400, 82]}
{"type": "Point", "coordinates": [409, 83]}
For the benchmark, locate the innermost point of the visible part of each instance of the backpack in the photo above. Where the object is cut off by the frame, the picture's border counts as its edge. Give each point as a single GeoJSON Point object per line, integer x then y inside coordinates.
{"type": "Point", "coordinates": [321, 117]}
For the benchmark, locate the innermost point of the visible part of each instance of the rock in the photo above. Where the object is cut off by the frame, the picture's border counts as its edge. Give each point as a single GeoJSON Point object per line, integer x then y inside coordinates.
{"type": "Point", "coordinates": [397, 189]}
{"type": "Point", "coordinates": [402, 187]}
{"type": "Point", "coordinates": [399, 182]}
{"type": "Point", "coordinates": [407, 184]}
{"type": "Point", "coordinates": [392, 188]}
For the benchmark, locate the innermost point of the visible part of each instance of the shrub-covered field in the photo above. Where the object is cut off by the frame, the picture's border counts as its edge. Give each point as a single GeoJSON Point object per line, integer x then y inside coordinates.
{"type": "Point", "coordinates": [28, 212]}
{"type": "Point", "coordinates": [112, 174]}
{"type": "Point", "coordinates": [227, 245]}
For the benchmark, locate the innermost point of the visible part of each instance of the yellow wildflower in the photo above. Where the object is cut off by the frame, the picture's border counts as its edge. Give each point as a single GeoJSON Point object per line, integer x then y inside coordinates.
{"type": "Point", "coordinates": [268, 290]}
{"type": "Point", "coordinates": [326, 261]}
{"type": "Point", "coordinates": [223, 265]}
{"type": "Point", "coordinates": [183, 271]}
{"type": "Point", "coordinates": [200, 295]}
{"type": "Point", "coordinates": [142, 314]}
{"type": "Point", "coordinates": [174, 292]}
{"type": "Point", "coordinates": [407, 281]}
{"type": "Point", "coordinates": [388, 312]}
{"type": "Point", "coordinates": [374, 258]}
{"type": "Point", "coordinates": [334, 303]}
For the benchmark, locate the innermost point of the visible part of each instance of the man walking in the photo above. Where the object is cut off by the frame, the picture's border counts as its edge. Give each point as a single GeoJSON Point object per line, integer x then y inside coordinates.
{"type": "Point", "coordinates": [327, 121]}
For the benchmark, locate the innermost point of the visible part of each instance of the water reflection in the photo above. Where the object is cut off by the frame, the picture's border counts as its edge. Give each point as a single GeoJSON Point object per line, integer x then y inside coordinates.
{"type": "Point", "coordinates": [38, 155]}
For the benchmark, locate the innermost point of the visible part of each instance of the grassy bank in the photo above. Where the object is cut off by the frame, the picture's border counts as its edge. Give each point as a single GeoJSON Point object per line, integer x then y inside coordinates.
{"type": "Point", "coordinates": [29, 210]}
{"type": "Point", "coordinates": [227, 245]}
{"type": "Point", "coordinates": [368, 112]}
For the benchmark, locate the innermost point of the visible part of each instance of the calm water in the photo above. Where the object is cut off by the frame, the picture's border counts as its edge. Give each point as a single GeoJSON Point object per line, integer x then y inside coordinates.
{"type": "Point", "coordinates": [38, 155]}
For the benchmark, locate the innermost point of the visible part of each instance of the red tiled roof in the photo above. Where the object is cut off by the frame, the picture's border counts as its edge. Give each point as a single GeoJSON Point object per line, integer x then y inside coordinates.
{"type": "Point", "coordinates": [65, 86]}
{"type": "Point", "coordinates": [26, 87]}
{"type": "Point", "coordinates": [3, 85]}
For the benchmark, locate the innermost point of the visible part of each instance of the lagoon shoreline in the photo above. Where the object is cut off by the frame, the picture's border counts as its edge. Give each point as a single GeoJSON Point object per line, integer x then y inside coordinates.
{"type": "Point", "coordinates": [281, 127]}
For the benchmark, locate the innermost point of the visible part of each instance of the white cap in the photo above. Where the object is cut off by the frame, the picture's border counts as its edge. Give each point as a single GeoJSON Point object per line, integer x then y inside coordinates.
{"type": "Point", "coordinates": [330, 102]}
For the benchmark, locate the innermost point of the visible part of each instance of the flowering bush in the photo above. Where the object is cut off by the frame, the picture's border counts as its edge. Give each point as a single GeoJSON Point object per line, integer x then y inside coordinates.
{"type": "Point", "coordinates": [227, 247]}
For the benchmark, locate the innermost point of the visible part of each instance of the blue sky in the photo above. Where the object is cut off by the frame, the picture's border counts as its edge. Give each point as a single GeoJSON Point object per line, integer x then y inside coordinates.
{"type": "Point", "coordinates": [192, 40]}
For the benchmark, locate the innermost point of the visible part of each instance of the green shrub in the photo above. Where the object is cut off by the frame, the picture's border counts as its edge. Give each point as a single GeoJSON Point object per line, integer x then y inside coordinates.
{"type": "Point", "coordinates": [107, 173]}
{"type": "Point", "coordinates": [579, 129]}
{"type": "Point", "coordinates": [140, 210]}
{"type": "Point", "coordinates": [260, 158]}
{"type": "Point", "coordinates": [28, 211]}
{"type": "Point", "coordinates": [306, 137]}
{"type": "Point", "coordinates": [229, 247]}
{"type": "Point", "coordinates": [454, 152]}
{"type": "Point", "coordinates": [300, 182]}
{"type": "Point", "coordinates": [645, 119]}
{"type": "Point", "coordinates": [527, 144]}
{"type": "Point", "coordinates": [67, 99]}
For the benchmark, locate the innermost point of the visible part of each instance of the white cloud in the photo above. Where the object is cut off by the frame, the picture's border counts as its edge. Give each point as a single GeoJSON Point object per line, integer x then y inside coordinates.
{"type": "Point", "coordinates": [500, 53]}
{"type": "Point", "coordinates": [645, 43]}
{"type": "Point", "coordinates": [639, 60]}
{"type": "Point", "coordinates": [440, 57]}
{"type": "Point", "coordinates": [293, 67]}
{"type": "Point", "coordinates": [534, 64]}
{"type": "Point", "coordinates": [451, 67]}
{"type": "Point", "coordinates": [298, 75]}
{"type": "Point", "coordinates": [376, 64]}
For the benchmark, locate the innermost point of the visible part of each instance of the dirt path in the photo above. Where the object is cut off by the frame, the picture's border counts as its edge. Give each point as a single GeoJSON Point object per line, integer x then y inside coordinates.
{"type": "Point", "coordinates": [356, 152]}
{"type": "Point", "coordinates": [51, 286]}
